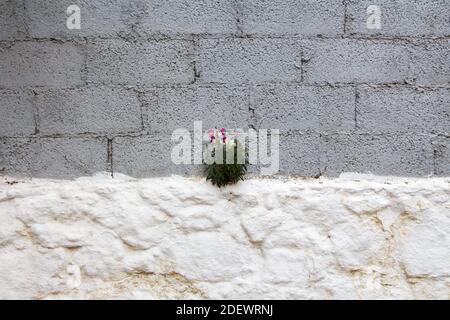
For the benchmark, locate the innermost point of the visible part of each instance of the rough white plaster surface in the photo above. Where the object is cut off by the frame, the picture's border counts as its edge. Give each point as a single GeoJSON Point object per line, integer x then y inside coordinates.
{"type": "Point", "coordinates": [357, 236]}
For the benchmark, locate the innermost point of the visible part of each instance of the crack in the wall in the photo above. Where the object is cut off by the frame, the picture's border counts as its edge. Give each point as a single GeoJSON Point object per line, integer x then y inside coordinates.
{"type": "Point", "coordinates": [320, 155]}
{"type": "Point", "coordinates": [435, 158]}
{"type": "Point", "coordinates": [238, 19]}
{"type": "Point", "coordinates": [344, 2]}
{"type": "Point", "coordinates": [253, 121]}
{"type": "Point", "coordinates": [438, 148]}
{"type": "Point", "coordinates": [110, 167]}
{"type": "Point", "coordinates": [195, 67]}
{"type": "Point", "coordinates": [142, 108]}
{"type": "Point", "coordinates": [35, 112]}
{"type": "Point", "coordinates": [355, 119]}
{"type": "Point", "coordinates": [256, 244]}
{"type": "Point", "coordinates": [158, 37]}
{"type": "Point", "coordinates": [301, 66]}
{"type": "Point", "coordinates": [84, 66]}
{"type": "Point", "coordinates": [25, 19]}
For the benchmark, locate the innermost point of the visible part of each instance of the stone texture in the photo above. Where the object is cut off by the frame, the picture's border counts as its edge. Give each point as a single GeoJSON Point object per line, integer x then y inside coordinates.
{"type": "Point", "coordinates": [150, 155]}
{"type": "Point", "coordinates": [140, 63]}
{"type": "Point", "coordinates": [16, 113]}
{"type": "Point", "coordinates": [304, 108]}
{"type": "Point", "coordinates": [48, 63]}
{"type": "Point", "coordinates": [147, 156]}
{"type": "Point", "coordinates": [374, 101]}
{"type": "Point", "coordinates": [401, 18]}
{"type": "Point", "coordinates": [243, 60]}
{"type": "Point", "coordinates": [390, 154]}
{"type": "Point", "coordinates": [53, 157]}
{"type": "Point", "coordinates": [442, 155]}
{"type": "Point", "coordinates": [292, 17]}
{"type": "Point", "coordinates": [431, 63]}
{"type": "Point", "coordinates": [423, 249]}
{"type": "Point", "coordinates": [376, 61]}
{"type": "Point", "coordinates": [12, 20]}
{"type": "Point", "coordinates": [88, 110]}
{"type": "Point", "coordinates": [15, 156]}
{"type": "Point", "coordinates": [355, 61]}
{"type": "Point", "coordinates": [299, 154]}
{"type": "Point", "coordinates": [142, 68]}
{"type": "Point", "coordinates": [47, 18]}
{"type": "Point", "coordinates": [403, 110]}
{"type": "Point", "coordinates": [184, 17]}
{"type": "Point", "coordinates": [356, 237]}
{"type": "Point", "coordinates": [171, 108]}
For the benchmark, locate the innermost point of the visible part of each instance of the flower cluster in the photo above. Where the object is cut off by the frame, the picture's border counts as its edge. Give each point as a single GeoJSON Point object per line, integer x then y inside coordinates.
{"type": "Point", "coordinates": [217, 135]}
{"type": "Point", "coordinates": [221, 172]}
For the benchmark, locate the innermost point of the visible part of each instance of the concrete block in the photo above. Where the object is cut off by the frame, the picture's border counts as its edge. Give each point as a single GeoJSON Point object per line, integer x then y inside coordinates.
{"type": "Point", "coordinates": [88, 110]}
{"type": "Point", "coordinates": [441, 145]}
{"type": "Point", "coordinates": [187, 17]}
{"type": "Point", "coordinates": [178, 107]}
{"type": "Point", "coordinates": [299, 154]}
{"type": "Point", "coordinates": [16, 113]}
{"type": "Point", "coordinates": [425, 63]}
{"type": "Point", "coordinates": [384, 110]}
{"type": "Point", "coordinates": [401, 18]}
{"type": "Point", "coordinates": [118, 61]}
{"type": "Point", "coordinates": [148, 156]}
{"type": "Point", "coordinates": [53, 157]}
{"type": "Point", "coordinates": [356, 61]}
{"type": "Point", "coordinates": [16, 156]}
{"type": "Point", "coordinates": [12, 20]}
{"type": "Point", "coordinates": [393, 154]}
{"type": "Point", "coordinates": [48, 18]}
{"type": "Point", "coordinates": [305, 108]}
{"type": "Point", "coordinates": [243, 60]}
{"type": "Point", "coordinates": [292, 17]}
{"type": "Point", "coordinates": [40, 64]}
{"type": "Point", "coordinates": [431, 63]}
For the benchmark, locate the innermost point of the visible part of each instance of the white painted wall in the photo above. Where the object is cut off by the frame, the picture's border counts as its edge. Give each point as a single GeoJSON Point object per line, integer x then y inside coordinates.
{"type": "Point", "coordinates": [357, 236]}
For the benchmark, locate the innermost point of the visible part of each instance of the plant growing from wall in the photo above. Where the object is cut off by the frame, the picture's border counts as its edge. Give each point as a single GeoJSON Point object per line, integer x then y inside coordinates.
{"type": "Point", "coordinates": [225, 159]}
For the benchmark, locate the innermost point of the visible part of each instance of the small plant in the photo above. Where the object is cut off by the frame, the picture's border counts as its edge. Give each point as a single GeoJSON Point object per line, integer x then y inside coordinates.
{"type": "Point", "coordinates": [225, 159]}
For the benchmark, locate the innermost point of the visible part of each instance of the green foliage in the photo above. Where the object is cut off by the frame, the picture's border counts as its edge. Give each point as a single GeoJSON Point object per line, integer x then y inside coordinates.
{"type": "Point", "coordinates": [222, 174]}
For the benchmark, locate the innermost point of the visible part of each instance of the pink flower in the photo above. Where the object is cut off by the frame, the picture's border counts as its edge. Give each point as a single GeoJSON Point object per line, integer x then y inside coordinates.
{"type": "Point", "coordinates": [217, 133]}
{"type": "Point", "coordinates": [211, 135]}
{"type": "Point", "coordinates": [224, 137]}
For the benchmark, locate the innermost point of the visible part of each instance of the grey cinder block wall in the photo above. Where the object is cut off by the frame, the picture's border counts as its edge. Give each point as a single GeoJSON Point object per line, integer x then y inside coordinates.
{"type": "Point", "coordinates": [107, 97]}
